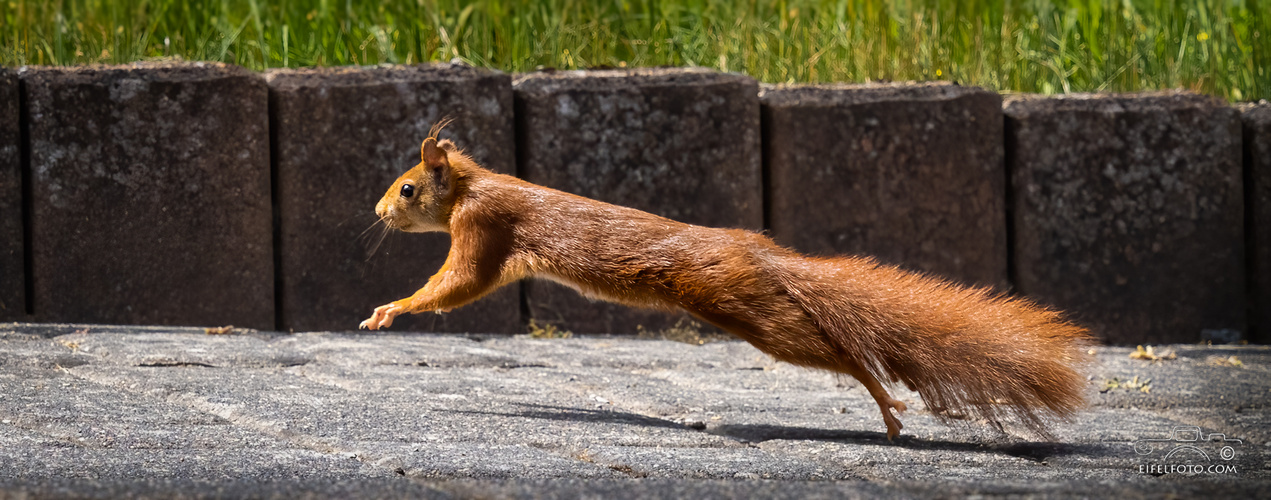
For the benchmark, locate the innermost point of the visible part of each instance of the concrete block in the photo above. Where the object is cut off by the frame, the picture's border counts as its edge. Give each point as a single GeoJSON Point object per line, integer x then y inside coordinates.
{"type": "Point", "coordinates": [909, 173]}
{"type": "Point", "coordinates": [680, 143]}
{"type": "Point", "coordinates": [342, 136]}
{"type": "Point", "coordinates": [1128, 212]}
{"type": "Point", "coordinates": [1257, 155]}
{"type": "Point", "coordinates": [150, 195]}
{"type": "Point", "coordinates": [12, 263]}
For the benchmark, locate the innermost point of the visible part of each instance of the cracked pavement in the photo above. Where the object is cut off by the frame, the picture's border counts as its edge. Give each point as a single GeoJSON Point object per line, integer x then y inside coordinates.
{"type": "Point", "coordinates": [107, 411]}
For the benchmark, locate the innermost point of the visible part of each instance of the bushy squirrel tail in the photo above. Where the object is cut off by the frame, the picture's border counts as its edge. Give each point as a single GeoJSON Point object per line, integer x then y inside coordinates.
{"type": "Point", "coordinates": [962, 349]}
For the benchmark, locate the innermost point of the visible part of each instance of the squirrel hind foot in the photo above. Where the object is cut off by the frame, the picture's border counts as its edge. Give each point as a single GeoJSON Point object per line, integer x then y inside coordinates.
{"type": "Point", "coordinates": [897, 404]}
{"type": "Point", "coordinates": [886, 403]}
{"type": "Point", "coordinates": [893, 424]}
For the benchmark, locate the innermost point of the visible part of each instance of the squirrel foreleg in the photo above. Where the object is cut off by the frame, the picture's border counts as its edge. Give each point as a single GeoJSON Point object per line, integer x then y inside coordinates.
{"type": "Point", "coordinates": [451, 287]}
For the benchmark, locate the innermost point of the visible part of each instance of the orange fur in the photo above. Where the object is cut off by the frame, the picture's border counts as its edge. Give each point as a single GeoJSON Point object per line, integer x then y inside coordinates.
{"type": "Point", "coordinates": [962, 349]}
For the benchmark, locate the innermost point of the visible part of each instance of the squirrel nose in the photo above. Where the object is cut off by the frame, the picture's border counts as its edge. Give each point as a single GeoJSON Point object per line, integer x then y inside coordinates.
{"type": "Point", "coordinates": [381, 209]}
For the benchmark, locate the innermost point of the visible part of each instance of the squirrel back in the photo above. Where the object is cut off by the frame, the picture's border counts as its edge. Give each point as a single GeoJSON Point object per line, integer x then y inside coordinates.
{"type": "Point", "coordinates": [962, 349]}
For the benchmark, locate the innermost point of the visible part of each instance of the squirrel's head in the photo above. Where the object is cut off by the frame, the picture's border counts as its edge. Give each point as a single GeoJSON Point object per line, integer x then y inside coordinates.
{"type": "Point", "coordinates": [420, 200]}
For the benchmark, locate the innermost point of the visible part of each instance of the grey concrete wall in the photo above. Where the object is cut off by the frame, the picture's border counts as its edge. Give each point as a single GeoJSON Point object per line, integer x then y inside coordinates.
{"type": "Point", "coordinates": [151, 198]}
{"type": "Point", "coordinates": [341, 137]}
{"type": "Point", "coordinates": [1129, 212]}
{"type": "Point", "coordinates": [1257, 149]}
{"type": "Point", "coordinates": [150, 195]}
{"type": "Point", "coordinates": [680, 143]}
{"type": "Point", "coordinates": [12, 263]}
{"type": "Point", "coordinates": [909, 173]}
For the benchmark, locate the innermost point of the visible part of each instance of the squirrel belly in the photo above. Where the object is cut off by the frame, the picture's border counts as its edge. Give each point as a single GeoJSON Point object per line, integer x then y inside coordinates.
{"type": "Point", "coordinates": [962, 349]}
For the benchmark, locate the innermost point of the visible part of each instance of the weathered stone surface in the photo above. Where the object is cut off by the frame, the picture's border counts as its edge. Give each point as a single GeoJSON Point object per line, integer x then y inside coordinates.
{"type": "Point", "coordinates": [12, 267]}
{"type": "Point", "coordinates": [118, 411]}
{"type": "Point", "coordinates": [1257, 144]}
{"type": "Point", "coordinates": [342, 136]}
{"type": "Point", "coordinates": [1128, 212]}
{"type": "Point", "coordinates": [150, 194]}
{"type": "Point", "coordinates": [680, 143]}
{"type": "Point", "coordinates": [909, 173]}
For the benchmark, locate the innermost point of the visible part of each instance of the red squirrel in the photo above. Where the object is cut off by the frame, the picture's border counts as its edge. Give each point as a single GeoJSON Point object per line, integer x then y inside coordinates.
{"type": "Point", "coordinates": [962, 349]}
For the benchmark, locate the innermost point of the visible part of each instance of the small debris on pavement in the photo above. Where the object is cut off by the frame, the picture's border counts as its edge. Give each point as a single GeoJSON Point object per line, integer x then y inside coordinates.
{"type": "Point", "coordinates": [219, 330]}
{"type": "Point", "coordinates": [1144, 386]}
{"type": "Point", "coordinates": [1150, 354]}
{"type": "Point", "coordinates": [1227, 361]}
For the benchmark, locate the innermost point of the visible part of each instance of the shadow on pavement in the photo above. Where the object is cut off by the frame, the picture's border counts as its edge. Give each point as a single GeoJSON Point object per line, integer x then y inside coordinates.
{"type": "Point", "coordinates": [757, 433]}
{"type": "Point", "coordinates": [548, 412]}
{"type": "Point", "coordinates": [765, 432]}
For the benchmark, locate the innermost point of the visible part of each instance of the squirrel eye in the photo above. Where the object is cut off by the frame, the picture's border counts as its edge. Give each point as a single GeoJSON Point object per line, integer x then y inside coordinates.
{"type": "Point", "coordinates": [408, 190]}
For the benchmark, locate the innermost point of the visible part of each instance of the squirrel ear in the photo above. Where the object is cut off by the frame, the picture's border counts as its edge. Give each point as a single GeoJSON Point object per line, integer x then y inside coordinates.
{"type": "Point", "coordinates": [431, 154]}
{"type": "Point", "coordinates": [437, 164]}
{"type": "Point", "coordinates": [447, 145]}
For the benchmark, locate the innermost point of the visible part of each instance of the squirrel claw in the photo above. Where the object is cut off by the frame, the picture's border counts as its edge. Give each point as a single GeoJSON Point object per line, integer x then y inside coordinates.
{"type": "Point", "coordinates": [382, 317]}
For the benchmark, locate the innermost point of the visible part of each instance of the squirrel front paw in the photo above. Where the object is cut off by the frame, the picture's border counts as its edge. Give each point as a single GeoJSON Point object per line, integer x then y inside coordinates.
{"type": "Point", "coordinates": [382, 318]}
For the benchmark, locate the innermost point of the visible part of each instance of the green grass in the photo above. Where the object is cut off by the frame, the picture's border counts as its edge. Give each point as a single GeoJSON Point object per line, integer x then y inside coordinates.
{"type": "Point", "coordinates": [1218, 47]}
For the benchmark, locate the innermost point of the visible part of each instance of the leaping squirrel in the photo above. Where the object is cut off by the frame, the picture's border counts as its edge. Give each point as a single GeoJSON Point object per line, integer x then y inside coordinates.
{"type": "Point", "coordinates": [961, 349]}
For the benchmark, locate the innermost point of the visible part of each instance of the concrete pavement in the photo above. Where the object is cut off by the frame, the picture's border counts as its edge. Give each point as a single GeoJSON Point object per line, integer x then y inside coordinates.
{"type": "Point", "coordinates": [109, 411]}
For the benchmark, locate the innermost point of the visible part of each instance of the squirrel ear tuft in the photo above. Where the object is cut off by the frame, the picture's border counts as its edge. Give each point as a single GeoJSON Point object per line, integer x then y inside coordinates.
{"type": "Point", "coordinates": [431, 154]}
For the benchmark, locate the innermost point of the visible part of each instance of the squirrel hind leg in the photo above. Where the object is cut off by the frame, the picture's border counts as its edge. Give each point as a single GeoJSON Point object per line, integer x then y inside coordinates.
{"type": "Point", "coordinates": [885, 402]}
